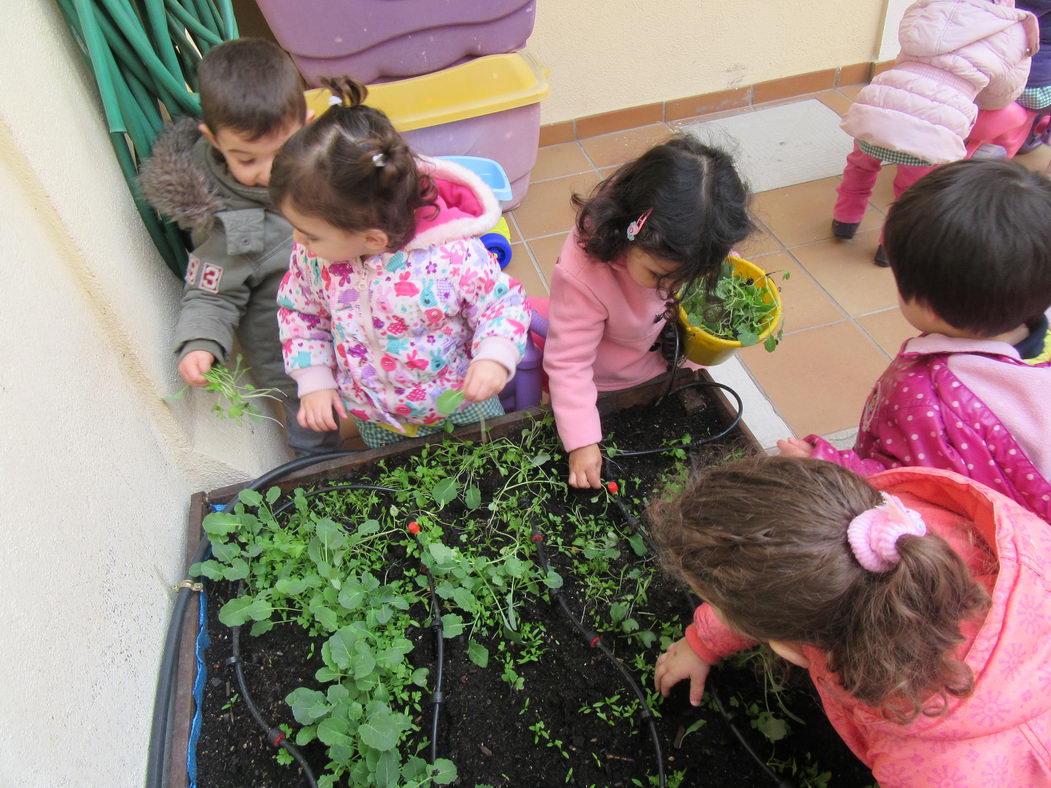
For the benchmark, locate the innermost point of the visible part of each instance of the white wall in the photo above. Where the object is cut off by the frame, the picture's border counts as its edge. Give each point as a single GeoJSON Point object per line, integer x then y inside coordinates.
{"type": "Point", "coordinates": [611, 54]}
{"type": "Point", "coordinates": [888, 45]}
{"type": "Point", "coordinates": [96, 469]}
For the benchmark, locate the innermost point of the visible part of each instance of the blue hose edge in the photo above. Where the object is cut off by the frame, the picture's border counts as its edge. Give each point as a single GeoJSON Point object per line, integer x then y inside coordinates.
{"type": "Point", "coordinates": [200, 646]}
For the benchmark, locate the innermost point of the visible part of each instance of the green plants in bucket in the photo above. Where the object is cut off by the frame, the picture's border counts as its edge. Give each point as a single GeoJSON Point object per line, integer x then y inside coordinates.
{"type": "Point", "coordinates": [743, 309]}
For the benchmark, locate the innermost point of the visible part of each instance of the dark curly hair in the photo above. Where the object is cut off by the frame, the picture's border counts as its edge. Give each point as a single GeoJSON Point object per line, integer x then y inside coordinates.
{"type": "Point", "coordinates": [352, 169]}
{"type": "Point", "coordinates": [699, 211]}
{"type": "Point", "coordinates": [764, 540]}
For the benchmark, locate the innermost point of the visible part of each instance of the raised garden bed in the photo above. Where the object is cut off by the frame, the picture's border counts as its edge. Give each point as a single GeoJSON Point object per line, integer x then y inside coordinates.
{"type": "Point", "coordinates": [343, 651]}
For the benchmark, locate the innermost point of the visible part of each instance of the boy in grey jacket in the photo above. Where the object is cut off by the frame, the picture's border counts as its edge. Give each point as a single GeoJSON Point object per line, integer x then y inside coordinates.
{"type": "Point", "coordinates": [211, 177]}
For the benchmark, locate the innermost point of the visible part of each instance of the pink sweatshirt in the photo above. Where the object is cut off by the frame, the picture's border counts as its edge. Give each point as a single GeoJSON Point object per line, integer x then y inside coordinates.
{"type": "Point", "coordinates": [602, 330]}
{"type": "Point", "coordinates": [1000, 735]}
{"type": "Point", "coordinates": [966, 405]}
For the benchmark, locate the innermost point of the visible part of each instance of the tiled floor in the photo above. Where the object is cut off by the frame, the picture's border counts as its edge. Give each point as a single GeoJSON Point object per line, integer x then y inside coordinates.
{"type": "Point", "coordinates": [842, 324]}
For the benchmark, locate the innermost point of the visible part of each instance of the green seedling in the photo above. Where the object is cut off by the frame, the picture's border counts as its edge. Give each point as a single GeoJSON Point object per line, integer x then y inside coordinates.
{"type": "Point", "coordinates": [237, 398]}
{"type": "Point", "coordinates": [449, 401]}
{"type": "Point", "coordinates": [738, 308]}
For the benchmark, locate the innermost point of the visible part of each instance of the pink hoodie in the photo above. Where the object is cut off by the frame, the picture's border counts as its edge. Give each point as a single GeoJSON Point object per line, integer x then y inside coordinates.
{"type": "Point", "coordinates": [954, 54]}
{"type": "Point", "coordinates": [600, 338]}
{"type": "Point", "coordinates": [967, 405]}
{"type": "Point", "coordinates": [999, 735]}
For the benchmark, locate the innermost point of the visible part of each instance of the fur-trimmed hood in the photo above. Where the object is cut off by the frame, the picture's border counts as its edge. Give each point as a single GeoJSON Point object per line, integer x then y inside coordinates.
{"type": "Point", "coordinates": [466, 206]}
{"type": "Point", "coordinates": [186, 180]}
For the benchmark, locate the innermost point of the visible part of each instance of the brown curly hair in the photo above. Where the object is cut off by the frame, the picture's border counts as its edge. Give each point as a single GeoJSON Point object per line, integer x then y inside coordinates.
{"type": "Point", "coordinates": [764, 540]}
{"type": "Point", "coordinates": [351, 168]}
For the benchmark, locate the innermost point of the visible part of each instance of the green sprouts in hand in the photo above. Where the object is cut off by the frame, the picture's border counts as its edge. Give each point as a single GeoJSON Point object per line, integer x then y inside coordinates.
{"type": "Point", "coordinates": [238, 399]}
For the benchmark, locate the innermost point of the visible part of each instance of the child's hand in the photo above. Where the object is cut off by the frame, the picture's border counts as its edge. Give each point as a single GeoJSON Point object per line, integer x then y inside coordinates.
{"type": "Point", "coordinates": [315, 410]}
{"type": "Point", "coordinates": [193, 365]}
{"type": "Point", "coordinates": [795, 447]}
{"type": "Point", "coordinates": [585, 467]}
{"type": "Point", "coordinates": [485, 379]}
{"type": "Point", "coordinates": [677, 663]}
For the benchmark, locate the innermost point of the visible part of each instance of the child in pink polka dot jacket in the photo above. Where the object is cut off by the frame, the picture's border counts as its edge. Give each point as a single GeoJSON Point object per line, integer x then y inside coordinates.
{"type": "Point", "coordinates": [970, 248]}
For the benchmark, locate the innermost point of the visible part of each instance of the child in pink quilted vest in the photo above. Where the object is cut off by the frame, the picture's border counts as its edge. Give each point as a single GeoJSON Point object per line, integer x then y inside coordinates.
{"type": "Point", "coordinates": [957, 56]}
{"type": "Point", "coordinates": [970, 248]}
{"type": "Point", "coordinates": [391, 299]}
{"type": "Point", "coordinates": [917, 600]}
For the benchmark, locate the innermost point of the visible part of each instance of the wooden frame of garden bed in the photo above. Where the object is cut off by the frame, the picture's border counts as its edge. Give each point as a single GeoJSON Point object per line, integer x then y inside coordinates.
{"type": "Point", "coordinates": [201, 502]}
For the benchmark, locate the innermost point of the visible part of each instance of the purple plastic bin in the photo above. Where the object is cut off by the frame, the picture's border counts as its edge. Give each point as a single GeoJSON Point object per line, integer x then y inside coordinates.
{"type": "Point", "coordinates": [381, 40]}
{"type": "Point", "coordinates": [510, 137]}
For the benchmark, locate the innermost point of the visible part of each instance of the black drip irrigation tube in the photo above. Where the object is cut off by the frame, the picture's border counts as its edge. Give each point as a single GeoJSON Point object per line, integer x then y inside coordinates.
{"type": "Point", "coordinates": [594, 640]}
{"type": "Point", "coordinates": [157, 757]}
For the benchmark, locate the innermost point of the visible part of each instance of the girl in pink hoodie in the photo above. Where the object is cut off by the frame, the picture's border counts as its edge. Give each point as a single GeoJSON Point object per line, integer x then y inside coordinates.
{"type": "Point", "coordinates": [970, 249]}
{"type": "Point", "coordinates": [390, 298]}
{"type": "Point", "coordinates": [917, 600]}
{"type": "Point", "coordinates": [657, 224]}
{"type": "Point", "coordinates": [957, 56]}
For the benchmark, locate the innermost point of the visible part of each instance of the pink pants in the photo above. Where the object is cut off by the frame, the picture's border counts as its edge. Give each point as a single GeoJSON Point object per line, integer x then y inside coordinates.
{"type": "Point", "coordinates": [859, 178]}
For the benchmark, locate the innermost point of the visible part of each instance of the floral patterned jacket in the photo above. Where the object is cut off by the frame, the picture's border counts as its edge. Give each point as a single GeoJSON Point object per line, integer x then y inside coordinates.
{"type": "Point", "coordinates": [395, 330]}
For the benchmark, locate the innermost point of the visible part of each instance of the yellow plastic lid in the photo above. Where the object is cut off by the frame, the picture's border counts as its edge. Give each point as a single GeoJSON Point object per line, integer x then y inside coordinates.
{"type": "Point", "coordinates": [478, 87]}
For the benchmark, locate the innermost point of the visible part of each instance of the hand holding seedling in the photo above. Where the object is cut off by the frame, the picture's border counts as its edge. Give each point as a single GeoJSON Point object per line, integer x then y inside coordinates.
{"type": "Point", "coordinates": [677, 663]}
{"type": "Point", "coordinates": [485, 379]}
{"type": "Point", "coordinates": [193, 365]}
{"type": "Point", "coordinates": [315, 410]}
{"type": "Point", "coordinates": [585, 467]}
{"type": "Point", "coordinates": [795, 447]}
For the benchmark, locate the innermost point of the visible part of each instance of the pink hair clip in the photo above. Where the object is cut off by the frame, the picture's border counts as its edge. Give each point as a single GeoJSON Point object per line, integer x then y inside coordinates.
{"type": "Point", "coordinates": [636, 226]}
{"type": "Point", "coordinates": [874, 534]}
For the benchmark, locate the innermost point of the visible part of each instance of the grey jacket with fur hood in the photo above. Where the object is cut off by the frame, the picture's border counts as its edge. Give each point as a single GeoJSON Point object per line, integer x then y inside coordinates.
{"type": "Point", "coordinates": [241, 252]}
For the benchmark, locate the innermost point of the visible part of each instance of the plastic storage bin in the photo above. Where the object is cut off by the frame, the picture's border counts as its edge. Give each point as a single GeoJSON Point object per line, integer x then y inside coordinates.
{"type": "Point", "coordinates": [380, 40]}
{"type": "Point", "coordinates": [488, 107]}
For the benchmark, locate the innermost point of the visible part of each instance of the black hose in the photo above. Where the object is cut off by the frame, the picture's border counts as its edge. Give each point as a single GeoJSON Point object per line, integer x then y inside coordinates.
{"type": "Point", "coordinates": [595, 641]}
{"type": "Point", "coordinates": [275, 736]}
{"type": "Point", "coordinates": [157, 757]}
{"type": "Point", "coordinates": [438, 628]}
{"type": "Point", "coordinates": [636, 525]}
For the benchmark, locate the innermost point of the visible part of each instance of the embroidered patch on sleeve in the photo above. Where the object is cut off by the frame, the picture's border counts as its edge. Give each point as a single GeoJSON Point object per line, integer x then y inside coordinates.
{"type": "Point", "coordinates": [192, 267]}
{"type": "Point", "coordinates": [210, 276]}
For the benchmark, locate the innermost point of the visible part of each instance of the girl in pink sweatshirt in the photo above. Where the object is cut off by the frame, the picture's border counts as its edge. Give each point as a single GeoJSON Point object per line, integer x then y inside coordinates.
{"type": "Point", "coordinates": [657, 224]}
{"type": "Point", "coordinates": [917, 600]}
{"type": "Point", "coordinates": [970, 249]}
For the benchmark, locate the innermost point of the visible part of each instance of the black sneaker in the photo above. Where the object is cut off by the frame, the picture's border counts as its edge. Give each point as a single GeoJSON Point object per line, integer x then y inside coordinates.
{"type": "Point", "coordinates": [844, 230]}
{"type": "Point", "coordinates": [881, 257]}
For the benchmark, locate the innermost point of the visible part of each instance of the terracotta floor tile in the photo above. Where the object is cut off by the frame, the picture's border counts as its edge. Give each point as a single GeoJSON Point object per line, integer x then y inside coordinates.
{"type": "Point", "coordinates": [818, 379]}
{"type": "Point", "coordinates": [803, 213]}
{"type": "Point", "coordinates": [846, 271]}
{"type": "Point", "coordinates": [522, 268]}
{"type": "Point", "coordinates": [888, 328]}
{"type": "Point", "coordinates": [804, 303]}
{"type": "Point", "coordinates": [759, 243]}
{"type": "Point", "coordinates": [850, 91]}
{"type": "Point", "coordinates": [546, 250]}
{"type": "Point", "coordinates": [555, 161]}
{"type": "Point", "coordinates": [623, 146]}
{"type": "Point", "coordinates": [516, 234]}
{"type": "Point", "coordinates": [729, 113]}
{"type": "Point", "coordinates": [1036, 160]}
{"type": "Point", "coordinates": [546, 208]}
{"type": "Point", "coordinates": [883, 194]}
{"type": "Point", "coordinates": [834, 100]}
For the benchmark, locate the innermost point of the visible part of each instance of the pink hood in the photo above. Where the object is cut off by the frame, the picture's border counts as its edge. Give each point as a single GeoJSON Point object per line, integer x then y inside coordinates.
{"type": "Point", "coordinates": [956, 56]}
{"type": "Point", "coordinates": [466, 206]}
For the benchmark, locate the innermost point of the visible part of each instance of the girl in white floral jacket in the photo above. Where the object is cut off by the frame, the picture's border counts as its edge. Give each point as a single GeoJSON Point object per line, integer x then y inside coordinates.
{"type": "Point", "coordinates": [390, 299]}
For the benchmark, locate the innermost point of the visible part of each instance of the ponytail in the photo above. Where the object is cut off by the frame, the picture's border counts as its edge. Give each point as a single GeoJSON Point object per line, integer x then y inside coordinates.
{"type": "Point", "coordinates": [352, 169]}
{"type": "Point", "coordinates": [765, 541]}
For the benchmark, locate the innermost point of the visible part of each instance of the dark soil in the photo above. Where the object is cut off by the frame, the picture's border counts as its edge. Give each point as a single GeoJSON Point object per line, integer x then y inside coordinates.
{"type": "Point", "coordinates": [485, 725]}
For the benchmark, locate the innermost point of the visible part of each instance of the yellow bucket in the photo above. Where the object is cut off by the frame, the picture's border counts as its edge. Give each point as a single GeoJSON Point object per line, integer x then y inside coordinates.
{"type": "Point", "coordinates": [708, 350]}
